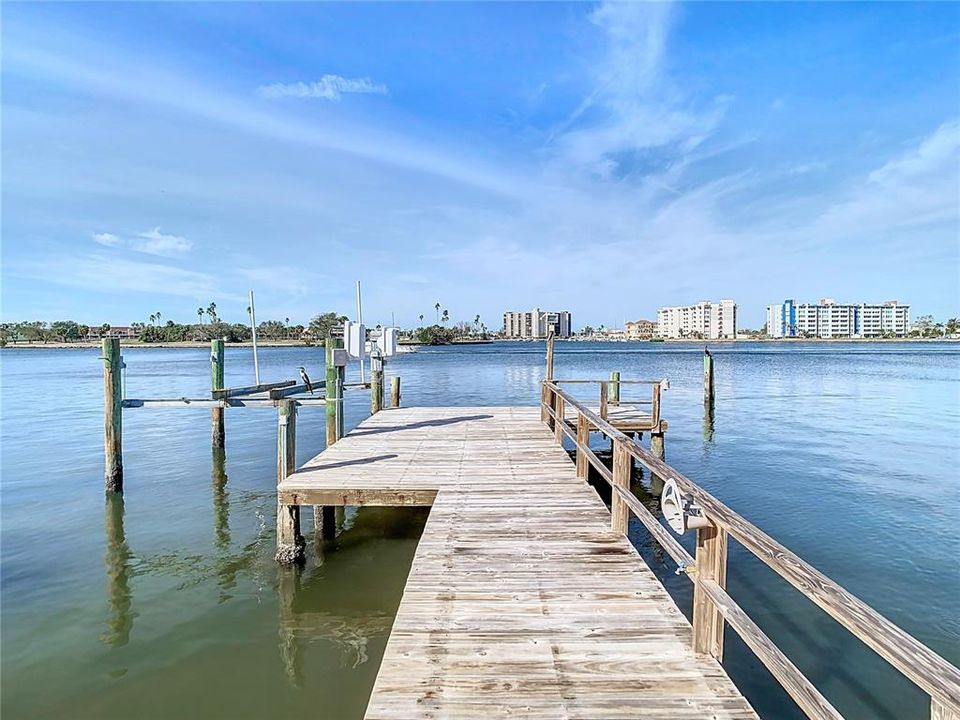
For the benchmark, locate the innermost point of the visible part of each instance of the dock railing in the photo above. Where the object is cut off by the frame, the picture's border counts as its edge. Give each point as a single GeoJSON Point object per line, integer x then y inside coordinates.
{"type": "Point", "coordinates": [712, 606]}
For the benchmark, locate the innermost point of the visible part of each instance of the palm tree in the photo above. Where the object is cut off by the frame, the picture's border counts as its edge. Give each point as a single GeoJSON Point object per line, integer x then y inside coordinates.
{"type": "Point", "coordinates": [200, 314]}
{"type": "Point", "coordinates": [421, 321]}
{"type": "Point", "coordinates": [212, 311]}
{"type": "Point", "coordinates": [476, 323]}
{"type": "Point", "coordinates": [446, 316]}
{"type": "Point", "coordinates": [158, 316]}
{"type": "Point", "coordinates": [437, 307]}
{"type": "Point", "coordinates": [286, 334]}
{"type": "Point", "coordinates": [153, 318]}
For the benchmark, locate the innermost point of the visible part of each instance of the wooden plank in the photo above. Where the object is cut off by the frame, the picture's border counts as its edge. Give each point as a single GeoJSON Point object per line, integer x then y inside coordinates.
{"type": "Point", "coordinates": [622, 468]}
{"type": "Point", "coordinates": [222, 393]}
{"type": "Point", "coordinates": [514, 607]}
{"type": "Point", "coordinates": [296, 389]}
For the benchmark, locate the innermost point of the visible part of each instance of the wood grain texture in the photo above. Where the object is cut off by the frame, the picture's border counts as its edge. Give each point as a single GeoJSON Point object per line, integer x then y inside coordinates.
{"type": "Point", "coordinates": [931, 672]}
{"type": "Point", "coordinates": [112, 415]}
{"type": "Point", "coordinates": [218, 434]}
{"type": "Point", "coordinates": [521, 601]}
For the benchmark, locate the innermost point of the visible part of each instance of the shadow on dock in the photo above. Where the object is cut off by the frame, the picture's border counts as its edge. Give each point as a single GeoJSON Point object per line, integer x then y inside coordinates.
{"type": "Point", "coordinates": [413, 426]}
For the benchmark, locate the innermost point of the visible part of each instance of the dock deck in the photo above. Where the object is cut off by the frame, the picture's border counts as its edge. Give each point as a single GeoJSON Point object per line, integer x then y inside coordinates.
{"type": "Point", "coordinates": [521, 601]}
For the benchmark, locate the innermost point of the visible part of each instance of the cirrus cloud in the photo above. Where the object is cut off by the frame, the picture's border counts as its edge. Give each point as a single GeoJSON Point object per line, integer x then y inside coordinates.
{"type": "Point", "coordinates": [151, 242]}
{"type": "Point", "coordinates": [329, 87]}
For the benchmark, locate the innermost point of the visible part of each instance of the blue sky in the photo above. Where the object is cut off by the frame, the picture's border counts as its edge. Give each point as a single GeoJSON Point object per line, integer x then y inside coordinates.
{"type": "Point", "coordinates": [602, 158]}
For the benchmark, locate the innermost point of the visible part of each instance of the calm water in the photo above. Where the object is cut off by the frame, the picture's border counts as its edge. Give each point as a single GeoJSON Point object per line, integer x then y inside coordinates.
{"type": "Point", "coordinates": [169, 604]}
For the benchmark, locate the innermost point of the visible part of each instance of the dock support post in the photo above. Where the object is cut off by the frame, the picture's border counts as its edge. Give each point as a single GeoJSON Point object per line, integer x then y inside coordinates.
{"type": "Point", "coordinates": [217, 429]}
{"type": "Point", "coordinates": [622, 461]}
{"type": "Point", "coordinates": [334, 393]}
{"type": "Point", "coordinates": [395, 391]}
{"type": "Point", "coordinates": [614, 397]}
{"type": "Point", "coordinates": [376, 384]}
{"type": "Point", "coordinates": [559, 408]}
{"type": "Point", "coordinates": [656, 440]}
{"type": "Point", "coordinates": [708, 394]}
{"type": "Point", "coordinates": [112, 415]}
{"type": "Point", "coordinates": [583, 439]}
{"type": "Point", "coordinates": [290, 542]}
{"type": "Point", "coordinates": [711, 564]}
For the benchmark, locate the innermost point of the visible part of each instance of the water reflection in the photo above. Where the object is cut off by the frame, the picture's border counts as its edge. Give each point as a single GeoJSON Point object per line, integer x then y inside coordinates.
{"type": "Point", "coordinates": [708, 419]}
{"type": "Point", "coordinates": [221, 499]}
{"type": "Point", "coordinates": [118, 563]}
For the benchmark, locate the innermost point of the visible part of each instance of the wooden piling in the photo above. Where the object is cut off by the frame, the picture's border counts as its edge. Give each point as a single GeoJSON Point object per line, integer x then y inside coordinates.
{"type": "Point", "coordinates": [217, 429]}
{"type": "Point", "coordinates": [622, 467]}
{"type": "Point", "coordinates": [290, 542]}
{"type": "Point", "coordinates": [334, 393]}
{"type": "Point", "coordinates": [376, 385]}
{"type": "Point", "coordinates": [656, 440]}
{"type": "Point", "coordinates": [711, 563]}
{"type": "Point", "coordinates": [614, 388]}
{"type": "Point", "coordinates": [395, 391]}
{"type": "Point", "coordinates": [708, 393]}
{"type": "Point", "coordinates": [112, 415]}
{"type": "Point", "coordinates": [558, 425]}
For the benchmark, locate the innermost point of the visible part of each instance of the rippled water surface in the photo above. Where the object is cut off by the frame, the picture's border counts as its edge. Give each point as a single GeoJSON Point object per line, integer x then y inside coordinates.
{"type": "Point", "coordinates": [169, 604]}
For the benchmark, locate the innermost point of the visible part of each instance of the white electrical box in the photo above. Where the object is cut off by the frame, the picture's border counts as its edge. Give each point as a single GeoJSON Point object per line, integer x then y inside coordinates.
{"type": "Point", "coordinates": [355, 339]}
{"type": "Point", "coordinates": [388, 342]}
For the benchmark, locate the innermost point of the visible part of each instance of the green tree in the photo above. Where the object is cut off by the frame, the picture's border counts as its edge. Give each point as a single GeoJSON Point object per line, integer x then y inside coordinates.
{"type": "Point", "coordinates": [446, 317]}
{"type": "Point", "coordinates": [421, 320]}
{"type": "Point", "coordinates": [65, 330]}
{"type": "Point", "coordinates": [200, 314]}
{"type": "Point", "coordinates": [952, 326]}
{"type": "Point", "coordinates": [437, 308]}
{"type": "Point", "coordinates": [435, 335]}
{"type": "Point", "coordinates": [321, 325]}
{"type": "Point", "coordinates": [104, 329]}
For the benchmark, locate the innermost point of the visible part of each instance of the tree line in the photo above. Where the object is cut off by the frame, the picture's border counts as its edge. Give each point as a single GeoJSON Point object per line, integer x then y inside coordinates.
{"type": "Point", "coordinates": [210, 326]}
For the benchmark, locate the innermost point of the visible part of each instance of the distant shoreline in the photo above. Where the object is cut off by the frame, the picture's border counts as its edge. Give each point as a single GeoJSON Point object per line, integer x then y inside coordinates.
{"type": "Point", "coordinates": [85, 345]}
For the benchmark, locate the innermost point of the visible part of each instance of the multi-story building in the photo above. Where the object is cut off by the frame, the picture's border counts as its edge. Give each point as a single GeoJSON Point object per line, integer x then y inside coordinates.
{"type": "Point", "coordinates": [640, 329]}
{"type": "Point", "coordinates": [536, 324]}
{"type": "Point", "coordinates": [705, 321]}
{"type": "Point", "coordinates": [782, 319]}
{"type": "Point", "coordinates": [830, 319]}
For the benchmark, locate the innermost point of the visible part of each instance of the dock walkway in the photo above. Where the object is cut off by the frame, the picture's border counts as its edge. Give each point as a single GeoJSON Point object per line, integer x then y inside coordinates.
{"type": "Point", "coordinates": [521, 601]}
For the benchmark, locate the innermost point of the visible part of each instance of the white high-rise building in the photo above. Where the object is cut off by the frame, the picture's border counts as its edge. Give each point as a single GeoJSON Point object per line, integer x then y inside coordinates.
{"type": "Point", "coordinates": [829, 319]}
{"type": "Point", "coordinates": [705, 320]}
{"type": "Point", "coordinates": [536, 324]}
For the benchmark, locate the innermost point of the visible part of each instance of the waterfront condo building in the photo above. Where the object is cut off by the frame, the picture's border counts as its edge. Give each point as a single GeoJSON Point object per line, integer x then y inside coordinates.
{"type": "Point", "coordinates": [829, 319]}
{"type": "Point", "coordinates": [704, 321]}
{"type": "Point", "coordinates": [536, 324]}
{"type": "Point", "coordinates": [640, 329]}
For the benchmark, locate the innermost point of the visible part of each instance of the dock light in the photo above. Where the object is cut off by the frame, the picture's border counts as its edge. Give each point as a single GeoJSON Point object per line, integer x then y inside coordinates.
{"type": "Point", "coordinates": [679, 510]}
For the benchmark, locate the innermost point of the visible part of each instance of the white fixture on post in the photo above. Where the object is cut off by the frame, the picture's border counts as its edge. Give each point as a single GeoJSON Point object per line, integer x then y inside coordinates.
{"type": "Point", "coordinates": [253, 335]}
{"type": "Point", "coordinates": [679, 510]}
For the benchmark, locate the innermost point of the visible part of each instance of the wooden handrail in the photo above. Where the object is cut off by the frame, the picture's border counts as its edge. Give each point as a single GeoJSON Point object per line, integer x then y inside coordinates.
{"type": "Point", "coordinates": [937, 677]}
{"type": "Point", "coordinates": [622, 382]}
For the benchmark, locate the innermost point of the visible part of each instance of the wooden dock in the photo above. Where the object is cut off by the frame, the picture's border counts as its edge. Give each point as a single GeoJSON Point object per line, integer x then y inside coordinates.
{"type": "Point", "coordinates": [521, 600]}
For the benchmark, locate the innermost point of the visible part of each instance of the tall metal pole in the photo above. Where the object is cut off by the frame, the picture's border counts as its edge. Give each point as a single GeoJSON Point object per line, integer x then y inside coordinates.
{"type": "Point", "coordinates": [253, 335]}
{"type": "Point", "coordinates": [363, 340]}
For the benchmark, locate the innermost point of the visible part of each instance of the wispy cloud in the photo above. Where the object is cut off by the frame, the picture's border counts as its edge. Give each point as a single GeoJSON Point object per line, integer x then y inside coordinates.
{"type": "Point", "coordinates": [107, 273]}
{"type": "Point", "coordinates": [151, 242]}
{"type": "Point", "coordinates": [634, 106]}
{"type": "Point", "coordinates": [329, 87]}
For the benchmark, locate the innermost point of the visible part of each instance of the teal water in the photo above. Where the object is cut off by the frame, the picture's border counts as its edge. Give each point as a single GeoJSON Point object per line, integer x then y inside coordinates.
{"type": "Point", "coordinates": [169, 604]}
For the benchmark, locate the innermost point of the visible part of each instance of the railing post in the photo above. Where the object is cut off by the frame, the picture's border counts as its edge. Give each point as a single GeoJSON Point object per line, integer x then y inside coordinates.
{"type": "Point", "coordinates": [603, 399]}
{"type": "Point", "coordinates": [217, 429]}
{"type": "Point", "coordinates": [546, 395]}
{"type": "Point", "coordinates": [939, 711]}
{"type": "Point", "coordinates": [711, 564]}
{"type": "Point", "coordinates": [583, 441]}
{"type": "Point", "coordinates": [112, 415]}
{"type": "Point", "coordinates": [395, 391]}
{"type": "Point", "coordinates": [290, 542]}
{"type": "Point", "coordinates": [614, 387]}
{"type": "Point", "coordinates": [549, 401]}
{"type": "Point", "coordinates": [622, 466]}
{"type": "Point", "coordinates": [559, 409]}
{"type": "Point", "coordinates": [656, 439]}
